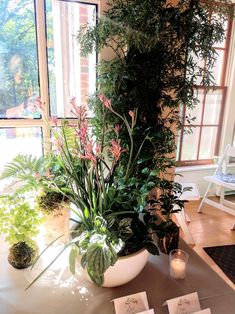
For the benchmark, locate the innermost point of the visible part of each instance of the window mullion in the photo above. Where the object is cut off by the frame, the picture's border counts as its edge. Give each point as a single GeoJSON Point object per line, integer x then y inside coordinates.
{"type": "Point", "coordinates": [43, 70]}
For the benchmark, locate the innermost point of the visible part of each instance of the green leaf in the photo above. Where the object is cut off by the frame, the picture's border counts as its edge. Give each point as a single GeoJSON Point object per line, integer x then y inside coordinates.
{"type": "Point", "coordinates": [84, 261]}
{"type": "Point", "coordinates": [98, 258]}
{"type": "Point", "coordinates": [72, 260]}
{"type": "Point", "coordinates": [154, 172]}
{"type": "Point", "coordinates": [125, 229]}
{"type": "Point", "coordinates": [86, 213]}
{"type": "Point", "coordinates": [96, 278]}
{"type": "Point", "coordinates": [151, 248]}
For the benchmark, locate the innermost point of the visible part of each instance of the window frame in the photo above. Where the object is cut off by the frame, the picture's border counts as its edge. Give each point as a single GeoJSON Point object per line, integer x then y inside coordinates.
{"type": "Point", "coordinates": [45, 122]}
{"type": "Point", "coordinates": [223, 87]}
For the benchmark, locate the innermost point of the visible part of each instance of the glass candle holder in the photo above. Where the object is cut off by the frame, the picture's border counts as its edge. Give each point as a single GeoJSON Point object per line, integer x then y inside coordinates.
{"type": "Point", "coordinates": [178, 263]}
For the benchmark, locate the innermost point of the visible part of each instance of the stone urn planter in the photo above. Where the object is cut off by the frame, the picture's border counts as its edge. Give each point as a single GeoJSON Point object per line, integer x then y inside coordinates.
{"type": "Point", "coordinates": [56, 224]}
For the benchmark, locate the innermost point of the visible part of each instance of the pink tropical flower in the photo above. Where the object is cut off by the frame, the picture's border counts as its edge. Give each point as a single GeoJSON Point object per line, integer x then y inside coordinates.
{"type": "Point", "coordinates": [48, 174]}
{"type": "Point", "coordinates": [98, 149]}
{"type": "Point", "coordinates": [117, 128]}
{"type": "Point", "coordinates": [132, 114]}
{"type": "Point", "coordinates": [79, 111]}
{"type": "Point", "coordinates": [106, 102]}
{"type": "Point", "coordinates": [54, 120]}
{"type": "Point", "coordinates": [73, 101]}
{"type": "Point", "coordinates": [89, 152]}
{"type": "Point", "coordinates": [37, 175]}
{"type": "Point", "coordinates": [58, 144]}
{"type": "Point", "coordinates": [116, 149]}
{"type": "Point", "coordinates": [39, 104]}
{"type": "Point", "coordinates": [82, 132]}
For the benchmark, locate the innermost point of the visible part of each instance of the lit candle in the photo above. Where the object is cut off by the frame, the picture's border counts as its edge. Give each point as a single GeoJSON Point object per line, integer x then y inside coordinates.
{"type": "Point", "coordinates": [178, 268]}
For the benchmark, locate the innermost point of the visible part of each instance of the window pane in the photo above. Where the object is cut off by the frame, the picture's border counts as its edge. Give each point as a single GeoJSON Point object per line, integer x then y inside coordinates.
{"type": "Point", "coordinates": [208, 141]}
{"type": "Point", "coordinates": [196, 112]}
{"type": "Point", "coordinates": [69, 74]}
{"type": "Point", "coordinates": [18, 60]}
{"type": "Point", "coordinates": [218, 67]}
{"type": "Point", "coordinates": [19, 140]}
{"type": "Point", "coordinates": [212, 107]}
{"type": "Point", "coordinates": [190, 145]}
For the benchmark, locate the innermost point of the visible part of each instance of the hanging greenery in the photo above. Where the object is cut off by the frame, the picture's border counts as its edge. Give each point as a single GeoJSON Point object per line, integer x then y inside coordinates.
{"type": "Point", "coordinates": [160, 52]}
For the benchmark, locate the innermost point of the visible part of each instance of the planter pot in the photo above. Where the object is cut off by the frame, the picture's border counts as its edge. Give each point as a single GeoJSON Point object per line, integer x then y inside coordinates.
{"type": "Point", "coordinates": [56, 224]}
{"type": "Point", "coordinates": [125, 269]}
{"type": "Point", "coordinates": [169, 242]}
{"type": "Point", "coordinates": [21, 255]}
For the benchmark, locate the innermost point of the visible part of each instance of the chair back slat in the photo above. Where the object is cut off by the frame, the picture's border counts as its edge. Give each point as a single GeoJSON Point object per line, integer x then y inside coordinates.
{"type": "Point", "coordinates": [231, 151]}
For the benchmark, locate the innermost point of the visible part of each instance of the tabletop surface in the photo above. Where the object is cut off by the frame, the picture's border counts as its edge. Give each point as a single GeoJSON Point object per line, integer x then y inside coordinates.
{"type": "Point", "coordinates": [58, 292]}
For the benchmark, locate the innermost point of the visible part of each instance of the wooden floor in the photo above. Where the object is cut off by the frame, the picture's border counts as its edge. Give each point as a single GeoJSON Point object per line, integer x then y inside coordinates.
{"type": "Point", "coordinates": [210, 228]}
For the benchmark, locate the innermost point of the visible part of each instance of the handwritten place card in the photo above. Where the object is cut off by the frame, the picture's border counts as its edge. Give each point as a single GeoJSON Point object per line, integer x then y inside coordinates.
{"type": "Point", "coordinates": [147, 312]}
{"type": "Point", "coordinates": [132, 304]}
{"type": "Point", "coordinates": [206, 311]}
{"type": "Point", "coordinates": [185, 304]}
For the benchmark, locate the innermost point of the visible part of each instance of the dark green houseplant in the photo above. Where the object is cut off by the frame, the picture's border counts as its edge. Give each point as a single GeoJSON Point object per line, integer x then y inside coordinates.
{"type": "Point", "coordinates": [168, 202]}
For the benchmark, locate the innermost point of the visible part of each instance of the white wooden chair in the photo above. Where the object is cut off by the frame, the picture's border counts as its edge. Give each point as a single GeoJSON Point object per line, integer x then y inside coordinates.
{"type": "Point", "coordinates": [224, 180]}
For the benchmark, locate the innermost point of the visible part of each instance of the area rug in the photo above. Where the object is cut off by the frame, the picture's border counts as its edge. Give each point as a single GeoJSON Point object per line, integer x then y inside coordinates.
{"type": "Point", "coordinates": [224, 257]}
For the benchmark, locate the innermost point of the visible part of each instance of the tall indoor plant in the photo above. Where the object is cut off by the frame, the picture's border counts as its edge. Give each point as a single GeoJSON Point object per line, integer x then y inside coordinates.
{"type": "Point", "coordinates": [160, 51]}
{"type": "Point", "coordinates": [139, 91]}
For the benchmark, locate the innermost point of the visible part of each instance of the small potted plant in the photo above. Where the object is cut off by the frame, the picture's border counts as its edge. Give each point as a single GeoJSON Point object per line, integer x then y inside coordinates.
{"type": "Point", "coordinates": [20, 224]}
{"type": "Point", "coordinates": [45, 178]}
{"type": "Point", "coordinates": [168, 201]}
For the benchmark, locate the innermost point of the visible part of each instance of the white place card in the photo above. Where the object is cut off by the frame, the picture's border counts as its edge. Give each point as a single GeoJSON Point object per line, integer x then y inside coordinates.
{"type": "Point", "coordinates": [185, 304]}
{"type": "Point", "coordinates": [206, 311]}
{"type": "Point", "coordinates": [147, 312]}
{"type": "Point", "coordinates": [131, 304]}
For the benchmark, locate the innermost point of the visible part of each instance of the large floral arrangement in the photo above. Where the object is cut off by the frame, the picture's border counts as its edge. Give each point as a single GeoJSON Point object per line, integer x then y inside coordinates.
{"type": "Point", "coordinates": [110, 201]}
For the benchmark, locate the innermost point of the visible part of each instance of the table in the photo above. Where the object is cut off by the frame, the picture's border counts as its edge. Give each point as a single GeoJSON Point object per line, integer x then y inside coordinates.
{"type": "Point", "coordinates": [61, 293]}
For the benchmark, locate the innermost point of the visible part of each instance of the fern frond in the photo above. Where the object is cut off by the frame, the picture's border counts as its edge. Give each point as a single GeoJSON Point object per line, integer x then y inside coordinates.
{"type": "Point", "coordinates": [22, 167]}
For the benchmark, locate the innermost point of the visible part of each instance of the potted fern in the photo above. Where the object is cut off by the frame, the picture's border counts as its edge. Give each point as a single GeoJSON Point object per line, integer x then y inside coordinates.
{"type": "Point", "coordinates": [44, 178]}
{"type": "Point", "coordinates": [20, 224]}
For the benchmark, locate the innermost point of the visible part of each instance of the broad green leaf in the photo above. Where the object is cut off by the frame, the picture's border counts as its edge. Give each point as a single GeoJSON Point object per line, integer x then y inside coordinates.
{"type": "Point", "coordinates": [96, 278]}
{"type": "Point", "coordinates": [98, 258]}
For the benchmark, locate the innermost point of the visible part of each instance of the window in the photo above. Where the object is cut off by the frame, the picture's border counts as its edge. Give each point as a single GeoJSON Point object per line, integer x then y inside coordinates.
{"type": "Point", "coordinates": [39, 56]}
{"type": "Point", "coordinates": [200, 144]}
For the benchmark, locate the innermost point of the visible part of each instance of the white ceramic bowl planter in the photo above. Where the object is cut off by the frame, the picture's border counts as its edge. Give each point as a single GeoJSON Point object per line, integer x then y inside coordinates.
{"type": "Point", "coordinates": [125, 269]}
